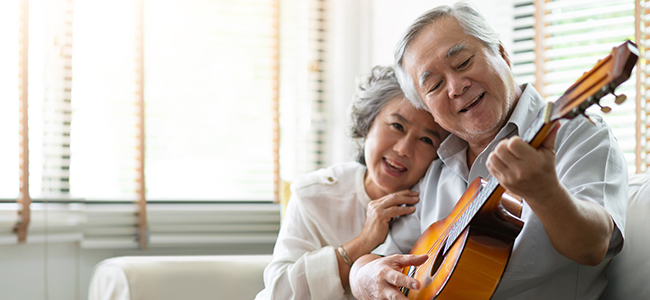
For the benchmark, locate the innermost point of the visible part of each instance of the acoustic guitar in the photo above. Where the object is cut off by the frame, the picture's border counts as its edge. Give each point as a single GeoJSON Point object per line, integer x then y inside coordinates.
{"type": "Point", "coordinates": [470, 248]}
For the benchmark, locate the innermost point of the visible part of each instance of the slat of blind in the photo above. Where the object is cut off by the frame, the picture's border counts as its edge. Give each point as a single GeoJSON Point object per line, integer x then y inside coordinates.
{"type": "Point", "coordinates": [581, 4]}
{"type": "Point", "coordinates": [523, 46]}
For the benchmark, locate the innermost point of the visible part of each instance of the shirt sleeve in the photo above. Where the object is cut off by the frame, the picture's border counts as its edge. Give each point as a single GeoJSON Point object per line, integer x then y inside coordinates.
{"type": "Point", "coordinates": [301, 267]}
{"type": "Point", "coordinates": [591, 165]}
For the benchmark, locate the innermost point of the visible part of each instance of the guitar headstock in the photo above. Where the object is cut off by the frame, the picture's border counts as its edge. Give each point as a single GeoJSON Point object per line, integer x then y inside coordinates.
{"type": "Point", "coordinates": [602, 79]}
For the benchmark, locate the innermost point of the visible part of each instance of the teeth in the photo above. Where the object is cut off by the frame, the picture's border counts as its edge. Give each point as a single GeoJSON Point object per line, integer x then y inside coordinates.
{"type": "Point", "coordinates": [473, 101]}
{"type": "Point", "coordinates": [396, 167]}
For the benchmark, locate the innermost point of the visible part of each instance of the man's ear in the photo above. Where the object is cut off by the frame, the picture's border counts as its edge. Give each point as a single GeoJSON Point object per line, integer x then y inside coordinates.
{"type": "Point", "coordinates": [504, 54]}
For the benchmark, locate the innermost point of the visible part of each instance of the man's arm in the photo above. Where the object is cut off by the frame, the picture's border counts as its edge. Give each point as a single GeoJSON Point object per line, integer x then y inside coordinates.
{"type": "Point", "coordinates": [579, 230]}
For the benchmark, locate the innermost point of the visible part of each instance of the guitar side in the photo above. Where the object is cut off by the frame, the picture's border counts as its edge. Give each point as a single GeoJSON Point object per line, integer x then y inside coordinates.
{"type": "Point", "coordinates": [473, 266]}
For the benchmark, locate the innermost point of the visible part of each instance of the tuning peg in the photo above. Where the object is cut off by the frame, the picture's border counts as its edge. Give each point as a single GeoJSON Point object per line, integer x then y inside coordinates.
{"type": "Point", "coordinates": [605, 109]}
{"type": "Point", "coordinates": [620, 98]}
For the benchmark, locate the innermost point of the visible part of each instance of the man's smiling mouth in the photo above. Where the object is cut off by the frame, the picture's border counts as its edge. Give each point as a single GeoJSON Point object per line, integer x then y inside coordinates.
{"type": "Point", "coordinates": [473, 103]}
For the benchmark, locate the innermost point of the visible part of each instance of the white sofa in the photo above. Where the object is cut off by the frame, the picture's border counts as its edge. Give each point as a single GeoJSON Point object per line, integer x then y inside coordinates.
{"type": "Point", "coordinates": [178, 277]}
{"type": "Point", "coordinates": [240, 277]}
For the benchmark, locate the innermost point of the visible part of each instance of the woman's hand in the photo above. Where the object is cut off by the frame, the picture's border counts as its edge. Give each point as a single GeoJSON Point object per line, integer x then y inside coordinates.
{"type": "Point", "coordinates": [381, 211]}
{"type": "Point", "coordinates": [375, 277]}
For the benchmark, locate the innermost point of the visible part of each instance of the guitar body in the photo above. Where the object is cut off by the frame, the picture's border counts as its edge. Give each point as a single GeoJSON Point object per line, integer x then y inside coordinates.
{"type": "Point", "coordinates": [473, 266]}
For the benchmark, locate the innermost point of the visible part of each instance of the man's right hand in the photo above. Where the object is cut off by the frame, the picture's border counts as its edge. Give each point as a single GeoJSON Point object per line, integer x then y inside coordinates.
{"type": "Point", "coordinates": [375, 277]}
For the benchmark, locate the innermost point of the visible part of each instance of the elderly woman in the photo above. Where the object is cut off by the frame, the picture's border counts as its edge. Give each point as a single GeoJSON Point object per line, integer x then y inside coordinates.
{"type": "Point", "coordinates": [338, 214]}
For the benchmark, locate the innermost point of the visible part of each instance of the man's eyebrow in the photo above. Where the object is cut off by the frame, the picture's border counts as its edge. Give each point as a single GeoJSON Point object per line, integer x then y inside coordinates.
{"type": "Point", "coordinates": [451, 52]}
{"type": "Point", "coordinates": [423, 77]}
{"type": "Point", "coordinates": [454, 50]}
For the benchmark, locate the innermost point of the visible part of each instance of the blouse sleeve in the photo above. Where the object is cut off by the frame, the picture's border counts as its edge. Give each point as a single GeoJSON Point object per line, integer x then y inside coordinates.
{"type": "Point", "coordinates": [301, 268]}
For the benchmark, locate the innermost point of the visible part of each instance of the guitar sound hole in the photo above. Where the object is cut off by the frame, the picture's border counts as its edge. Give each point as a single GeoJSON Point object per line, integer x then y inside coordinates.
{"type": "Point", "coordinates": [437, 262]}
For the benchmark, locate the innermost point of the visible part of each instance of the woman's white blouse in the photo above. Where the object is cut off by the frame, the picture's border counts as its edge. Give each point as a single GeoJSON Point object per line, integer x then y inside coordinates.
{"type": "Point", "coordinates": [327, 209]}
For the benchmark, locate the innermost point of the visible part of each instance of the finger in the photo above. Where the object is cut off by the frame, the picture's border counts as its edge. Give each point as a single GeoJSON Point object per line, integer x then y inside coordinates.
{"type": "Point", "coordinates": [402, 260]}
{"type": "Point", "coordinates": [394, 199]}
{"type": "Point", "coordinates": [397, 278]}
{"type": "Point", "coordinates": [503, 151]}
{"type": "Point", "coordinates": [497, 167]}
{"type": "Point", "coordinates": [518, 148]}
{"type": "Point", "coordinates": [395, 211]}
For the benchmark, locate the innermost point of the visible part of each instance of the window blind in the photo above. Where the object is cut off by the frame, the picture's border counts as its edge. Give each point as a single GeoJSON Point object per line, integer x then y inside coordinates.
{"type": "Point", "coordinates": [303, 99]}
{"type": "Point", "coordinates": [209, 83]}
{"type": "Point", "coordinates": [567, 39]}
{"type": "Point", "coordinates": [207, 72]}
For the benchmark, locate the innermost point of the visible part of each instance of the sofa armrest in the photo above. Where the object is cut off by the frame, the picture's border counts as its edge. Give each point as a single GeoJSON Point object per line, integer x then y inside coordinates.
{"type": "Point", "coordinates": [178, 277]}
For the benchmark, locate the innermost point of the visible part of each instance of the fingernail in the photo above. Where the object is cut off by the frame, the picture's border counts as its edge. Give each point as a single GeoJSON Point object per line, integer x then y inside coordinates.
{"type": "Point", "coordinates": [414, 285]}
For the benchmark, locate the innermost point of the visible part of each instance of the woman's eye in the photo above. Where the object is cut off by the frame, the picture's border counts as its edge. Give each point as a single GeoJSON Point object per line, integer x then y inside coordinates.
{"type": "Point", "coordinates": [427, 140]}
{"type": "Point", "coordinates": [397, 126]}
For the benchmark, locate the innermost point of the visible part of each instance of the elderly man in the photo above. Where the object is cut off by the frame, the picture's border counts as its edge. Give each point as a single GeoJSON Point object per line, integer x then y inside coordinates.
{"type": "Point", "coordinates": [452, 63]}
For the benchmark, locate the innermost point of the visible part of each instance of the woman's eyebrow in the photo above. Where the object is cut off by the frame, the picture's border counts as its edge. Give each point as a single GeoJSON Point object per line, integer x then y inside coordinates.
{"type": "Point", "coordinates": [432, 132]}
{"type": "Point", "coordinates": [402, 119]}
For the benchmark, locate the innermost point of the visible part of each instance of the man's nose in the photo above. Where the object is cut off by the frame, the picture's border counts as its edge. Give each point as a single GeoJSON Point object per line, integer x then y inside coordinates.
{"type": "Point", "coordinates": [457, 86]}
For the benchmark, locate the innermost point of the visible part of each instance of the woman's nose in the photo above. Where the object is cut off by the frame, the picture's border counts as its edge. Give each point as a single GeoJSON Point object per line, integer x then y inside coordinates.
{"type": "Point", "coordinates": [404, 146]}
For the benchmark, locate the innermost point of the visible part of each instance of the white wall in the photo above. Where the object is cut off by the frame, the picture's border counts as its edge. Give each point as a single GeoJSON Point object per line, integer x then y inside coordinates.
{"type": "Point", "coordinates": [363, 33]}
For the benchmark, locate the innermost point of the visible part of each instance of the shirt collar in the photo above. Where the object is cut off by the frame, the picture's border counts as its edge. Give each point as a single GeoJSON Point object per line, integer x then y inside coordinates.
{"type": "Point", "coordinates": [453, 148]}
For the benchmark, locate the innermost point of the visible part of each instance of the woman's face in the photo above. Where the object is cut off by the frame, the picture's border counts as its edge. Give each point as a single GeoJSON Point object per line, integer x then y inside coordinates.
{"type": "Point", "coordinates": [401, 143]}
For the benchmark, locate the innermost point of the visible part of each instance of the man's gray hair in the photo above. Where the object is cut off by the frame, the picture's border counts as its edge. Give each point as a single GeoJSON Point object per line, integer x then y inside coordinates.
{"type": "Point", "coordinates": [470, 21]}
{"type": "Point", "coordinates": [373, 92]}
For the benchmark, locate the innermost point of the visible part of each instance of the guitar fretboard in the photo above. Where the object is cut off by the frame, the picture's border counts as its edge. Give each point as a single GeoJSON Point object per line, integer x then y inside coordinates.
{"type": "Point", "coordinates": [486, 191]}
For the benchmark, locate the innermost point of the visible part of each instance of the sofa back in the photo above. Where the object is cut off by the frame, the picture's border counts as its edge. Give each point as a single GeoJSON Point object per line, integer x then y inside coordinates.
{"type": "Point", "coordinates": [629, 272]}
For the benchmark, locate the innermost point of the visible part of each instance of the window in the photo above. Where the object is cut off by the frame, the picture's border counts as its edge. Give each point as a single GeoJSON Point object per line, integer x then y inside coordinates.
{"type": "Point", "coordinates": [170, 102]}
{"type": "Point", "coordinates": [556, 41]}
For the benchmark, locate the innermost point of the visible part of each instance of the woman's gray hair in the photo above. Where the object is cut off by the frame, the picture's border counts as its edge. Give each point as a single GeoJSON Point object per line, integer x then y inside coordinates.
{"type": "Point", "coordinates": [470, 21]}
{"type": "Point", "coordinates": [373, 92]}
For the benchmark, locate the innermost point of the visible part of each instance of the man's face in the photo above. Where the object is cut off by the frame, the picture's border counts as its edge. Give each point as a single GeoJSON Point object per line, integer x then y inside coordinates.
{"type": "Point", "coordinates": [469, 90]}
